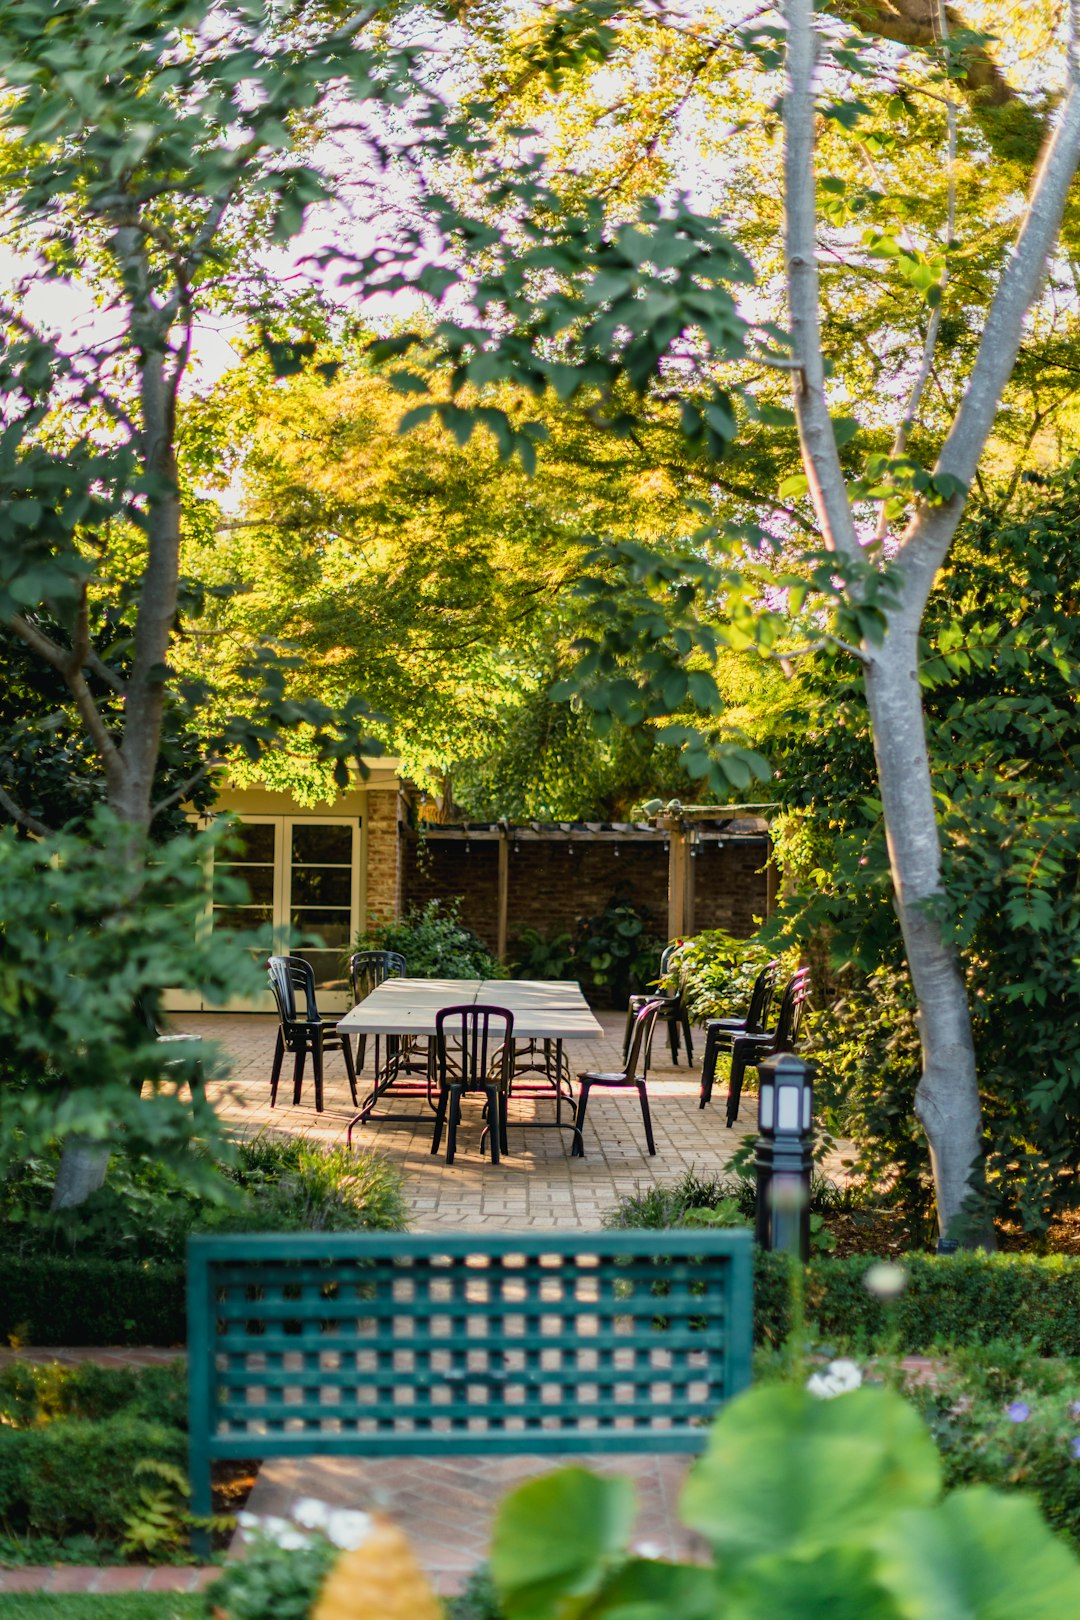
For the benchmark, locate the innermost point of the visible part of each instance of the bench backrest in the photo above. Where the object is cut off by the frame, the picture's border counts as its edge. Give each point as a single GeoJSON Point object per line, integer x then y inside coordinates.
{"type": "Point", "coordinates": [386, 1343]}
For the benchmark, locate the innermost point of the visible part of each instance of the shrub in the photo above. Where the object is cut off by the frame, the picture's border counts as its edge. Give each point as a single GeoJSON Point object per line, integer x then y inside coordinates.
{"type": "Point", "coordinates": [716, 972]}
{"type": "Point", "coordinates": [1001, 1415]}
{"type": "Point", "coordinates": [77, 1476]}
{"type": "Point", "coordinates": [615, 953]}
{"type": "Point", "coordinates": [435, 944]}
{"type": "Point", "coordinates": [292, 1185]}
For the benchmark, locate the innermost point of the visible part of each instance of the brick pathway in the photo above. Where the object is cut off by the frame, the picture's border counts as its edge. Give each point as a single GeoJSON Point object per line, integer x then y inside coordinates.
{"type": "Point", "coordinates": [70, 1578]}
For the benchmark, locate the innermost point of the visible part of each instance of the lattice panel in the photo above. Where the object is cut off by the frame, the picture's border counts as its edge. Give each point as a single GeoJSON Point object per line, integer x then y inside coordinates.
{"type": "Point", "coordinates": [474, 1346]}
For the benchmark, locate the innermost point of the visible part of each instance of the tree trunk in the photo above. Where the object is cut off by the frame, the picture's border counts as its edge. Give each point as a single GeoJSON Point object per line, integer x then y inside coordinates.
{"type": "Point", "coordinates": [81, 1172]}
{"type": "Point", "coordinates": [947, 1097]}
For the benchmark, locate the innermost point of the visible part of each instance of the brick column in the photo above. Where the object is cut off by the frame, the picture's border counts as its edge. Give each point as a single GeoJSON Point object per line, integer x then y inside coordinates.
{"type": "Point", "coordinates": [385, 867]}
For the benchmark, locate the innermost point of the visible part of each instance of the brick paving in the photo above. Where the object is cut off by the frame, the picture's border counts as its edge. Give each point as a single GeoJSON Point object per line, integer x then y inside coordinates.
{"type": "Point", "coordinates": [538, 1185]}
{"type": "Point", "coordinates": [445, 1505]}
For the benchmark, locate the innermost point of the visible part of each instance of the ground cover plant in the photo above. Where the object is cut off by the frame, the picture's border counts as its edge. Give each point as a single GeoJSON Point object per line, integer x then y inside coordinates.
{"type": "Point", "coordinates": [91, 1606]}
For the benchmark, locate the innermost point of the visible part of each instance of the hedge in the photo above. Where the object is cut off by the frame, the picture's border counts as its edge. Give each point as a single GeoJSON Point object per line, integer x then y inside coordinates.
{"type": "Point", "coordinates": [78, 1477]}
{"type": "Point", "coordinates": [949, 1299]}
{"type": "Point", "coordinates": [51, 1299]}
{"type": "Point", "coordinates": [958, 1299]}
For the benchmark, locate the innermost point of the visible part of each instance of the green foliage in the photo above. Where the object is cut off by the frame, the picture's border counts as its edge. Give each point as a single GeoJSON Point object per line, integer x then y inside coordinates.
{"type": "Point", "coordinates": [93, 930]}
{"type": "Point", "coordinates": [716, 972]}
{"type": "Point", "coordinates": [124, 1606]}
{"type": "Point", "coordinates": [269, 1581]}
{"type": "Point", "coordinates": [682, 1202]}
{"type": "Point", "coordinates": [534, 955]}
{"type": "Point", "coordinates": [77, 1477]}
{"type": "Point", "coordinates": [1000, 670]}
{"type": "Point", "coordinates": [615, 953]}
{"type": "Point", "coordinates": [478, 1601]}
{"type": "Point", "coordinates": [434, 942]}
{"type": "Point", "coordinates": [837, 1513]}
{"type": "Point", "coordinates": [159, 1527]}
{"type": "Point", "coordinates": [1001, 1415]}
{"type": "Point", "coordinates": [146, 1212]}
{"type": "Point", "coordinates": [34, 1394]}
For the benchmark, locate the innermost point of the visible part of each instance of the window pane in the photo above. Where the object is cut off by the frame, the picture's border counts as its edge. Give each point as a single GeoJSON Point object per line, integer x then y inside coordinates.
{"type": "Point", "coordinates": [245, 919]}
{"type": "Point", "coordinates": [253, 842]}
{"type": "Point", "coordinates": [323, 844]}
{"type": "Point", "coordinates": [332, 927]}
{"type": "Point", "coordinates": [259, 880]}
{"type": "Point", "coordinates": [321, 886]}
{"type": "Point", "coordinates": [326, 966]}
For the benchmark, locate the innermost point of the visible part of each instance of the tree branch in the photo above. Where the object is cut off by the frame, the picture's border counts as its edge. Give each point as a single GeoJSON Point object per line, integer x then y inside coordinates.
{"type": "Point", "coordinates": [23, 817]}
{"type": "Point", "coordinates": [817, 440]}
{"type": "Point", "coordinates": [181, 793]}
{"type": "Point", "coordinates": [927, 539]}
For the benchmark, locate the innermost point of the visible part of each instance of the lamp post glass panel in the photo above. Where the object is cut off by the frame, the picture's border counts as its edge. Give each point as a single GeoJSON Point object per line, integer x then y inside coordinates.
{"type": "Point", "coordinates": [784, 1158]}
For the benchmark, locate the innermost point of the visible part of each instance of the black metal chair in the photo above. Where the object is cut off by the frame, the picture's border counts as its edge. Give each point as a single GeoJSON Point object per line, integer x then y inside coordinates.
{"type": "Point", "coordinates": [297, 1035]}
{"type": "Point", "coordinates": [473, 1052]}
{"type": "Point", "coordinates": [672, 1013]}
{"type": "Point", "coordinates": [721, 1033]}
{"type": "Point", "coordinates": [367, 970]}
{"type": "Point", "coordinates": [748, 1049]}
{"type": "Point", "coordinates": [639, 1052]}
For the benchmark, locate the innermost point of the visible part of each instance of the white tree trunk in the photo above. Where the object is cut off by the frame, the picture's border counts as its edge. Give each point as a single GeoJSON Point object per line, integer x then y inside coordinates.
{"type": "Point", "coordinates": [947, 1097]}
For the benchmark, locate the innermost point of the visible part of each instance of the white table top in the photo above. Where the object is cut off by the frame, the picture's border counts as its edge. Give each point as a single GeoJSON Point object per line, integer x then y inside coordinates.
{"type": "Point", "coordinates": [543, 1009]}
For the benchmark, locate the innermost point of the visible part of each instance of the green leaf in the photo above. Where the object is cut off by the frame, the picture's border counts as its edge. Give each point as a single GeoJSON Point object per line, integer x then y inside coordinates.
{"type": "Point", "coordinates": [981, 1555]}
{"type": "Point", "coordinates": [797, 484]}
{"type": "Point", "coordinates": [837, 1584]}
{"type": "Point", "coordinates": [804, 1466]}
{"type": "Point", "coordinates": [556, 1538]}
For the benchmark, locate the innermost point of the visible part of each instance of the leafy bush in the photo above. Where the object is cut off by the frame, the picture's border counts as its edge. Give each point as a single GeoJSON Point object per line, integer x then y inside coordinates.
{"type": "Point", "coordinates": [615, 954]}
{"type": "Point", "coordinates": [716, 972]}
{"type": "Point", "coordinates": [268, 1583]}
{"type": "Point", "coordinates": [810, 1507]}
{"type": "Point", "coordinates": [669, 1203]}
{"type": "Point", "coordinates": [1001, 1415]}
{"type": "Point", "coordinates": [534, 955]}
{"type": "Point", "coordinates": [145, 1211]}
{"type": "Point", "coordinates": [77, 1476]}
{"type": "Point", "coordinates": [435, 944]}
{"type": "Point", "coordinates": [34, 1394]}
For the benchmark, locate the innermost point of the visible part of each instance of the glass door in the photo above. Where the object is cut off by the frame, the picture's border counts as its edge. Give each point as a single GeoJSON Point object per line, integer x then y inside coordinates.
{"type": "Point", "coordinates": [322, 881]}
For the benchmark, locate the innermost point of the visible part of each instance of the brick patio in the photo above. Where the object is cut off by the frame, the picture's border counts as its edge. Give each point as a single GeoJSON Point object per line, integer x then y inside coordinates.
{"type": "Point", "coordinates": [539, 1185]}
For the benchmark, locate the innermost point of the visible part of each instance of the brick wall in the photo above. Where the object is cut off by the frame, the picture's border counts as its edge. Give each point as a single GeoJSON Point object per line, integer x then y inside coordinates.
{"type": "Point", "coordinates": [553, 883]}
{"type": "Point", "coordinates": [730, 886]}
{"type": "Point", "coordinates": [385, 865]}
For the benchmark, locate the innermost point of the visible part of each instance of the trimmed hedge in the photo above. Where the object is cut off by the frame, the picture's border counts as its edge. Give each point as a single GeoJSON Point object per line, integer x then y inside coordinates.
{"type": "Point", "coordinates": [52, 1299]}
{"type": "Point", "coordinates": [957, 1299]}
{"type": "Point", "coordinates": [949, 1299]}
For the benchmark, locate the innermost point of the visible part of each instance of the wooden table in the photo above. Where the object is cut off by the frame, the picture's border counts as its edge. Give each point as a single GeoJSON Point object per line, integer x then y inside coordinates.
{"type": "Point", "coordinates": [546, 1012]}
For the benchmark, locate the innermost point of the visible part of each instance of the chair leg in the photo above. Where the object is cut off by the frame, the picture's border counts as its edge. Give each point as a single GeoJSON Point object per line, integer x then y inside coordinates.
{"type": "Point", "coordinates": [317, 1065]}
{"type": "Point", "coordinates": [673, 1039]}
{"type": "Point", "coordinates": [646, 1117]}
{"type": "Point", "coordinates": [495, 1125]}
{"type": "Point", "coordinates": [350, 1068]}
{"type": "Point", "coordinates": [708, 1070]}
{"type": "Point", "coordinates": [578, 1149]}
{"type": "Point", "coordinates": [275, 1072]}
{"type": "Point", "coordinates": [452, 1126]}
{"type": "Point", "coordinates": [440, 1119]}
{"type": "Point", "coordinates": [361, 1052]}
{"type": "Point", "coordinates": [502, 1123]}
{"type": "Point", "coordinates": [738, 1069]}
{"type": "Point", "coordinates": [298, 1072]}
{"type": "Point", "coordinates": [685, 1022]}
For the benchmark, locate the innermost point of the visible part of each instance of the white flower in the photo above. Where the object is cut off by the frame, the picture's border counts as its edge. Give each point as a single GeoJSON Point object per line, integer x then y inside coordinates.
{"type": "Point", "coordinates": [293, 1540]}
{"type": "Point", "coordinates": [648, 1549]}
{"type": "Point", "coordinates": [311, 1513]}
{"type": "Point", "coordinates": [347, 1528]}
{"type": "Point", "coordinates": [248, 1521]}
{"type": "Point", "coordinates": [839, 1378]}
{"type": "Point", "coordinates": [885, 1279]}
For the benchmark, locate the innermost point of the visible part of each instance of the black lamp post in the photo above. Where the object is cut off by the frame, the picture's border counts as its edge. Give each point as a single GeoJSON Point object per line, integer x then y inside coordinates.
{"type": "Point", "coordinates": [784, 1159]}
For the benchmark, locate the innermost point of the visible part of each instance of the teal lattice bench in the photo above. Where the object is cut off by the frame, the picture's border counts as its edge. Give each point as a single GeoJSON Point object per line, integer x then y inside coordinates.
{"type": "Point", "coordinates": [384, 1344]}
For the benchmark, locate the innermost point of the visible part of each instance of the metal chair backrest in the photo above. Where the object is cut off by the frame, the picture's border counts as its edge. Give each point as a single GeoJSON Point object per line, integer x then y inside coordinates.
{"type": "Point", "coordinates": [287, 974]}
{"type": "Point", "coordinates": [369, 969]}
{"type": "Point", "coordinates": [761, 997]}
{"type": "Point", "coordinates": [481, 1035]}
{"type": "Point", "coordinates": [641, 1038]}
{"type": "Point", "coordinates": [791, 1009]}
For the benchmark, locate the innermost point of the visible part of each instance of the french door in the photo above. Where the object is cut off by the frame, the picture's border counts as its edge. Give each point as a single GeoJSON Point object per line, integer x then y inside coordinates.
{"type": "Point", "coordinates": [303, 876]}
